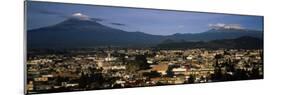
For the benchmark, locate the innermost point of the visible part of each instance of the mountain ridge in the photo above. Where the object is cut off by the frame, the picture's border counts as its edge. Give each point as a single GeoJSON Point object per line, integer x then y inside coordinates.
{"type": "Point", "coordinates": [87, 33]}
{"type": "Point", "coordinates": [244, 42]}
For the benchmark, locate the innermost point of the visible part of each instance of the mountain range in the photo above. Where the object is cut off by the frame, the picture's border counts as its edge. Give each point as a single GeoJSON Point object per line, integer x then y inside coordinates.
{"type": "Point", "coordinates": [77, 33]}
{"type": "Point", "coordinates": [244, 42]}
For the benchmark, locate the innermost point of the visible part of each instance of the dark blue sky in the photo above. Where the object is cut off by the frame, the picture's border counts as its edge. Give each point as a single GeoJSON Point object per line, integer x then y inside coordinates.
{"type": "Point", "coordinates": [158, 22]}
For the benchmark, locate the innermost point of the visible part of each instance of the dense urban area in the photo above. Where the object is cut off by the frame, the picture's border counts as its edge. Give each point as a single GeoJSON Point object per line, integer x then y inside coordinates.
{"type": "Point", "coordinates": [88, 69]}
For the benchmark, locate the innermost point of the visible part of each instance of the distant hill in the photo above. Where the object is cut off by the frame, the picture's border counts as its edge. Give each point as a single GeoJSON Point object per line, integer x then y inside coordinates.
{"type": "Point", "coordinates": [245, 42]}
{"type": "Point", "coordinates": [77, 33]}
{"type": "Point", "coordinates": [215, 34]}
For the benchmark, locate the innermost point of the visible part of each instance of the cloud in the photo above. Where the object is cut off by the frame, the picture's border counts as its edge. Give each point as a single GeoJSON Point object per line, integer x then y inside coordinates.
{"type": "Point", "coordinates": [48, 12]}
{"type": "Point", "coordinates": [180, 26]}
{"type": "Point", "coordinates": [118, 24]}
{"type": "Point", "coordinates": [226, 26]}
{"type": "Point", "coordinates": [80, 16]}
{"type": "Point", "coordinates": [97, 19]}
{"type": "Point", "coordinates": [63, 15]}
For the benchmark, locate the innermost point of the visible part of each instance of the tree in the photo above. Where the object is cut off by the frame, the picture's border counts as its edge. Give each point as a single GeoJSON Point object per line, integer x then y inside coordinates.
{"type": "Point", "coordinates": [152, 74]}
{"type": "Point", "coordinates": [217, 76]}
{"type": "Point", "coordinates": [142, 62]}
{"type": "Point", "coordinates": [191, 79]}
{"type": "Point", "coordinates": [169, 72]}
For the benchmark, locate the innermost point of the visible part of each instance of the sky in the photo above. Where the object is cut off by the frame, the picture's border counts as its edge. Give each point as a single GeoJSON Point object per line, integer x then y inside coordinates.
{"type": "Point", "coordinates": [150, 21]}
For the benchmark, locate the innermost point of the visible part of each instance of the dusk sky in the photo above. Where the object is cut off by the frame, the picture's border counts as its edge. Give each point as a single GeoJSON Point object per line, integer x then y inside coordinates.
{"type": "Point", "coordinates": [157, 22]}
